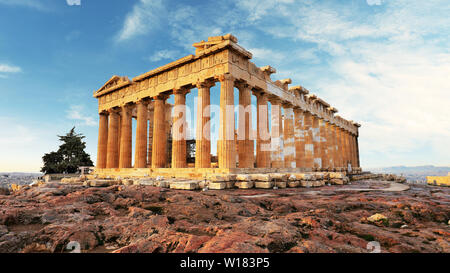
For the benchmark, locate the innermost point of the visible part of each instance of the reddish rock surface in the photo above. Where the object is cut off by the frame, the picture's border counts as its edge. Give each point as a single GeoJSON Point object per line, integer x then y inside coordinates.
{"type": "Point", "coordinates": [129, 219]}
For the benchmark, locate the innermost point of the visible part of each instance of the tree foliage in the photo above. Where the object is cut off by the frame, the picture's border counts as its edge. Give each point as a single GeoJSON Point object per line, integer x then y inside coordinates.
{"type": "Point", "coordinates": [69, 156]}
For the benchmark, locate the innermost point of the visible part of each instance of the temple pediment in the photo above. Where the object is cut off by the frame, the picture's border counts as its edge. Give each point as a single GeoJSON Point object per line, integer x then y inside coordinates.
{"type": "Point", "coordinates": [112, 84]}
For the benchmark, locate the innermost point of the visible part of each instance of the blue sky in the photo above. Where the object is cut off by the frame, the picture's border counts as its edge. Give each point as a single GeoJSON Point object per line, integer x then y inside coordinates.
{"type": "Point", "coordinates": [385, 64]}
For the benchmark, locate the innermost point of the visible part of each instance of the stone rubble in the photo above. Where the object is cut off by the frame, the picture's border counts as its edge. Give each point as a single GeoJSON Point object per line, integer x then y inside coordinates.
{"type": "Point", "coordinates": [141, 218]}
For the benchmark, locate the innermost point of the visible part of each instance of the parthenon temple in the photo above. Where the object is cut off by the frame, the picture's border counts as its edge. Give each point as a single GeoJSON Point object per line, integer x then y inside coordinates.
{"type": "Point", "coordinates": [299, 132]}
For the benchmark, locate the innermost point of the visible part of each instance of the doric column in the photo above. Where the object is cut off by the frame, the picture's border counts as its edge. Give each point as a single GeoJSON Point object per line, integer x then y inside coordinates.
{"type": "Point", "coordinates": [119, 134]}
{"type": "Point", "coordinates": [299, 137]}
{"type": "Point", "coordinates": [262, 131]}
{"type": "Point", "coordinates": [102, 140]}
{"type": "Point", "coordinates": [308, 130]}
{"type": "Point", "coordinates": [112, 159]}
{"type": "Point", "coordinates": [331, 145]}
{"type": "Point", "coordinates": [288, 140]}
{"type": "Point", "coordinates": [338, 160]}
{"type": "Point", "coordinates": [358, 163]}
{"type": "Point", "coordinates": [140, 159]}
{"type": "Point", "coordinates": [347, 152]}
{"type": "Point", "coordinates": [245, 144]}
{"type": "Point", "coordinates": [340, 147]}
{"type": "Point", "coordinates": [125, 138]}
{"type": "Point", "coordinates": [277, 134]}
{"type": "Point", "coordinates": [203, 130]}
{"type": "Point", "coordinates": [335, 147]}
{"type": "Point", "coordinates": [159, 153]}
{"type": "Point", "coordinates": [349, 147]}
{"type": "Point", "coordinates": [323, 144]}
{"type": "Point", "coordinates": [354, 156]}
{"type": "Point", "coordinates": [150, 136]}
{"type": "Point", "coordinates": [316, 141]}
{"type": "Point", "coordinates": [179, 129]}
{"type": "Point", "coordinates": [227, 144]}
{"type": "Point", "coordinates": [343, 148]}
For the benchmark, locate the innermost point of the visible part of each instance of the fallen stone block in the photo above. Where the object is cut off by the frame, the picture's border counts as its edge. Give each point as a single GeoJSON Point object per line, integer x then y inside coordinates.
{"type": "Point", "coordinates": [146, 182]}
{"type": "Point", "coordinates": [229, 184]}
{"type": "Point", "coordinates": [318, 176]}
{"type": "Point", "coordinates": [318, 183]}
{"type": "Point", "coordinates": [102, 183]}
{"type": "Point", "coordinates": [335, 181]}
{"type": "Point", "coordinates": [127, 182]}
{"type": "Point", "coordinates": [264, 184]}
{"type": "Point", "coordinates": [221, 177]}
{"type": "Point", "coordinates": [217, 185]}
{"type": "Point", "coordinates": [242, 177]}
{"type": "Point", "coordinates": [184, 185]}
{"type": "Point", "coordinates": [279, 176]}
{"type": "Point", "coordinates": [299, 176]}
{"type": "Point", "coordinates": [263, 177]}
{"type": "Point", "coordinates": [293, 184]}
{"type": "Point", "coordinates": [338, 175]}
{"type": "Point", "coordinates": [162, 184]}
{"type": "Point", "coordinates": [244, 184]}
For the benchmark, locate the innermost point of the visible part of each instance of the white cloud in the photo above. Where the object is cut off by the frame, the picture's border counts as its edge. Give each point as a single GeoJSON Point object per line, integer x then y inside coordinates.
{"type": "Point", "coordinates": [4, 68]}
{"type": "Point", "coordinates": [73, 2]}
{"type": "Point", "coordinates": [145, 16]}
{"type": "Point", "coordinates": [388, 69]}
{"type": "Point", "coordinates": [164, 54]}
{"type": "Point", "coordinates": [374, 2]}
{"type": "Point", "coordinates": [39, 5]}
{"type": "Point", "coordinates": [76, 112]}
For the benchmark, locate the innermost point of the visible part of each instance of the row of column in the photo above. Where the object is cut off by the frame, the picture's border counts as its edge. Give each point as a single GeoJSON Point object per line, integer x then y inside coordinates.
{"type": "Point", "coordinates": [305, 140]}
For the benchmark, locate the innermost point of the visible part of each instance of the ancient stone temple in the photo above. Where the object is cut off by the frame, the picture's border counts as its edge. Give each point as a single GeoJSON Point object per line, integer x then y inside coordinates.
{"type": "Point", "coordinates": [299, 133]}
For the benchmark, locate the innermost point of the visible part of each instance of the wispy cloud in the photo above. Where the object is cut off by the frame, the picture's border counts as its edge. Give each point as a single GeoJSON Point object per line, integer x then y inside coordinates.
{"type": "Point", "coordinates": [387, 69]}
{"type": "Point", "coordinates": [164, 54]}
{"type": "Point", "coordinates": [73, 2]}
{"type": "Point", "coordinates": [35, 4]}
{"type": "Point", "coordinates": [76, 112]}
{"type": "Point", "coordinates": [374, 2]}
{"type": "Point", "coordinates": [382, 63]}
{"type": "Point", "coordinates": [145, 16]}
{"type": "Point", "coordinates": [6, 69]}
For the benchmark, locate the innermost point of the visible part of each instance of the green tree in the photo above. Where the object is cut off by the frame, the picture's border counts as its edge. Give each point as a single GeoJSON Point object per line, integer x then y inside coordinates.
{"type": "Point", "coordinates": [69, 156]}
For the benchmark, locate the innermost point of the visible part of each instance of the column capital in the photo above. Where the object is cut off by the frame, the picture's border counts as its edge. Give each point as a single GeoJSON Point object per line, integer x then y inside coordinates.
{"type": "Point", "coordinates": [181, 90]}
{"type": "Point", "coordinates": [274, 100]}
{"type": "Point", "coordinates": [205, 83]}
{"type": "Point", "coordinates": [241, 84]}
{"type": "Point", "coordinates": [260, 94]}
{"type": "Point", "coordinates": [126, 106]}
{"type": "Point", "coordinates": [298, 109]}
{"type": "Point", "coordinates": [161, 96]}
{"type": "Point", "coordinates": [287, 104]}
{"type": "Point", "coordinates": [226, 77]}
{"type": "Point", "coordinates": [114, 110]}
{"type": "Point", "coordinates": [142, 101]}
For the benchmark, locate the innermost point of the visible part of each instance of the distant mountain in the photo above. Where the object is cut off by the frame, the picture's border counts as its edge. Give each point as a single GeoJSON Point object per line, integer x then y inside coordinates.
{"type": "Point", "coordinates": [413, 173]}
{"type": "Point", "coordinates": [20, 174]}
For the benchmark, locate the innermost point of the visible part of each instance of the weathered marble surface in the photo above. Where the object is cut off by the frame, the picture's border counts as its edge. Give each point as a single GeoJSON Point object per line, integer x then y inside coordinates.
{"type": "Point", "coordinates": [151, 219]}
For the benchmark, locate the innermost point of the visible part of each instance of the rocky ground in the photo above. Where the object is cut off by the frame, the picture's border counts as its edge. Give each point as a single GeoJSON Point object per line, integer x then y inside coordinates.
{"type": "Point", "coordinates": [151, 219]}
